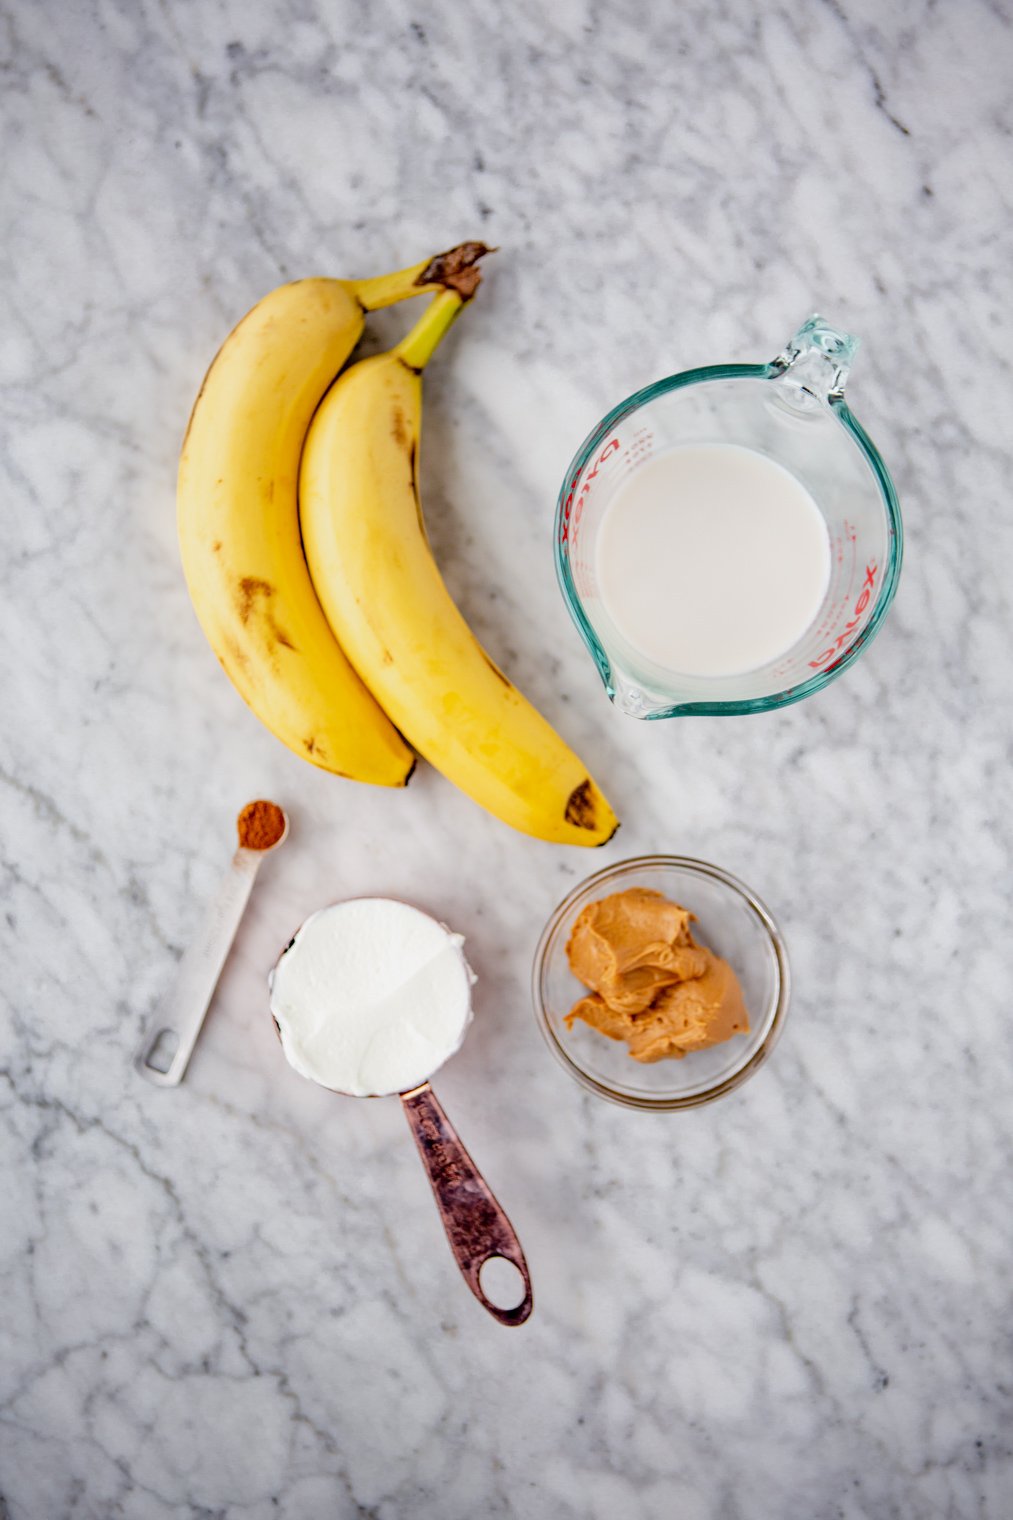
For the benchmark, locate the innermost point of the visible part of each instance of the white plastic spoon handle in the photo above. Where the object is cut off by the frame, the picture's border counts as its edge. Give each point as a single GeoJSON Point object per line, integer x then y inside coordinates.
{"type": "Point", "coordinates": [185, 1008]}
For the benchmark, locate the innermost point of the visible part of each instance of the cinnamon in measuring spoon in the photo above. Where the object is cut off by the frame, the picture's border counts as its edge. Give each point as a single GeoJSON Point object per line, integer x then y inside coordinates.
{"type": "Point", "coordinates": [260, 824]}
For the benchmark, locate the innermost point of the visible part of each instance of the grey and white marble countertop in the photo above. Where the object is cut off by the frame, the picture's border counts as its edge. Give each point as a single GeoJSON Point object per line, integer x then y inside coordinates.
{"type": "Point", "coordinates": [235, 1300]}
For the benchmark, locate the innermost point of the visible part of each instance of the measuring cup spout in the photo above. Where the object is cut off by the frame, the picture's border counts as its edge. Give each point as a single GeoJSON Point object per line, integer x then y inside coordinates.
{"type": "Point", "coordinates": [815, 364]}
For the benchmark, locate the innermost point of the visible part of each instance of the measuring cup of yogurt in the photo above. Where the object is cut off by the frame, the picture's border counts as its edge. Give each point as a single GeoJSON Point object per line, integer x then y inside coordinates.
{"type": "Point", "coordinates": [370, 997]}
{"type": "Point", "coordinates": [729, 540]}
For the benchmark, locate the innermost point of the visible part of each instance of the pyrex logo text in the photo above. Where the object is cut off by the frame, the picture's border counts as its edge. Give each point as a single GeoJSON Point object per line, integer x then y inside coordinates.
{"type": "Point", "coordinates": [578, 510]}
{"type": "Point", "coordinates": [871, 571]}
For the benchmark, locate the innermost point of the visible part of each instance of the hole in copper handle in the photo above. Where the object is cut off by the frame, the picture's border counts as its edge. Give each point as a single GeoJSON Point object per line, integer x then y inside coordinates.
{"type": "Point", "coordinates": [502, 1282]}
{"type": "Point", "coordinates": [505, 1293]}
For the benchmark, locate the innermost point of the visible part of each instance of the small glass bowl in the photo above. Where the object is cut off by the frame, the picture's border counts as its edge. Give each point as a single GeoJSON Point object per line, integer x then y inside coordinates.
{"type": "Point", "coordinates": [732, 922]}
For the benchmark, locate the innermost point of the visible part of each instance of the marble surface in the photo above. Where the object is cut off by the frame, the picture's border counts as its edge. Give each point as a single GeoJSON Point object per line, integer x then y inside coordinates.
{"type": "Point", "coordinates": [235, 1300]}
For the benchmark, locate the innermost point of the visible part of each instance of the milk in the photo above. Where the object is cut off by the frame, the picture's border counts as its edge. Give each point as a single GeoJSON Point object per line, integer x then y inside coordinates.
{"type": "Point", "coordinates": [712, 560]}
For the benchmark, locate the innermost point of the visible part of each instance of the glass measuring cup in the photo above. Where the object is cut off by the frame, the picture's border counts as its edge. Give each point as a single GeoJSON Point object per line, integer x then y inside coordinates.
{"type": "Point", "coordinates": [476, 1226]}
{"type": "Point", "coordinates": [792, 410]}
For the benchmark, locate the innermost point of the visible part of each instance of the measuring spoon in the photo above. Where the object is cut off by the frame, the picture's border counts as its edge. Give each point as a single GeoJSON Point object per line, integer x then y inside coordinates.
{"type": "Point", "coordinates": [168, 1045]}
{"type": "Point", "coordinates": [477, 1228]}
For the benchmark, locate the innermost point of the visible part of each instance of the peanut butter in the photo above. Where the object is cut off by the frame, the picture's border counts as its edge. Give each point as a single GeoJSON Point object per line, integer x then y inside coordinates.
{"type": "Point", "coordinates": [650, 983]}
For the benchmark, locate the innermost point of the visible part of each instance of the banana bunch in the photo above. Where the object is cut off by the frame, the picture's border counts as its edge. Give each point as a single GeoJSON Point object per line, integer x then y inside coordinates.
{"type": "Point", "coordinates": [238, 516]}
{"type": "Point", "coordinates": [307, 559]}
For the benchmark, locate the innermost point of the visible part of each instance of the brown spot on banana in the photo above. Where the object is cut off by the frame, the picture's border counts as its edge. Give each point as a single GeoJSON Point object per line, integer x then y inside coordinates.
{"type": "Point", "coordinates": [580, 808]}
{"type": "Point", "coordinates": [253, 601]}
{"type": "Point", "coordinates": [505, 679]}
{"type": "Point", "coordinates": [252, 590]}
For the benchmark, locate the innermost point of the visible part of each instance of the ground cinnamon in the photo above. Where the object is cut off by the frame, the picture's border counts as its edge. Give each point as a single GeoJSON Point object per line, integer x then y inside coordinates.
{"type": "Point", "coordinates": [260, 824]}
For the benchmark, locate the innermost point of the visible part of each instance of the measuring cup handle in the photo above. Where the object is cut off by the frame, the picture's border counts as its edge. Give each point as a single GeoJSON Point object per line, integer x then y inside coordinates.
{"type": "Point", "coordinates": [476, 1226]}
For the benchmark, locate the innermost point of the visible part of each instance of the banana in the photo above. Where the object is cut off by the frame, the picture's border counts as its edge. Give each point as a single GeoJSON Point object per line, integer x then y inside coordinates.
{"type": "Point", "coordinates": [239, 521]}
{"type": "Point", "coordinates": [383, 595]}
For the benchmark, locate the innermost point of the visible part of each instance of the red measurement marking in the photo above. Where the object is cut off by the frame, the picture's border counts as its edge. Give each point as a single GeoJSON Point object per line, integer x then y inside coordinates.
{"type": "Point", "coordinates": [577, 511]}
{"type": "Point", "coordinates": [871, 571]}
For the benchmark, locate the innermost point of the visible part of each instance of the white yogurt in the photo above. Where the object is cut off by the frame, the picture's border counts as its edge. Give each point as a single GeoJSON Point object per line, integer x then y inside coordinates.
{"type": "Point", "coordinates": [371, 997]}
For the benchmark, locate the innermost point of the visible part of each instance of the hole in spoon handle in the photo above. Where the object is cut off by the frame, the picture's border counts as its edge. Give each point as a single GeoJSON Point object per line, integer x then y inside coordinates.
{"type": "Point", "coordinates": [476, 1226]}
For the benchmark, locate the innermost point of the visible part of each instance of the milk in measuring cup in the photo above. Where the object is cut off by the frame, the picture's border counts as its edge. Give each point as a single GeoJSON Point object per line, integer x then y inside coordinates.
{"type": "Point", "coordinates": [712, 560]}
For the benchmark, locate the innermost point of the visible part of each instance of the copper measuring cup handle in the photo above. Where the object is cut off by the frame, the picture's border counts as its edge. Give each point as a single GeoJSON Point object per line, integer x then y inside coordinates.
{"type": "Point", "coordinates": [476, 1226]}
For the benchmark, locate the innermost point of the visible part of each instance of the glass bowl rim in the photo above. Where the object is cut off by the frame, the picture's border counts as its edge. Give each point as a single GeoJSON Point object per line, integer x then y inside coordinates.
{"type": "Point", "coordinates": [781, 995]}
{"type": "Point", "coordinates": [888, 586]}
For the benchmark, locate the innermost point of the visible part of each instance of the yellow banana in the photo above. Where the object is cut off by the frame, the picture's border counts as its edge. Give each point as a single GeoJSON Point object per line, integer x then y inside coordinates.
{"type": "Point", "coordinates": [384, 597]}
{"type": "Point", "coordinates": [239, 519]}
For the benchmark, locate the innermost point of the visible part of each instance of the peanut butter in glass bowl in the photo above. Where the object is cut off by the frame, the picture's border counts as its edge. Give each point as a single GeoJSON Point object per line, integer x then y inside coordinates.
{"type": "Point", "coordinates": [732, 922]}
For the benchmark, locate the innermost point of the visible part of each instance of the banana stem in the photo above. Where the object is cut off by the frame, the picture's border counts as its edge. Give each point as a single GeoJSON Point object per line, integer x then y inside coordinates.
{"type": "Point", "coordinates": [454, 270]}
{"type": "Point", "coordinates": [418, 347]}
{"type": "Point", "coordinates": [386, 289]}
